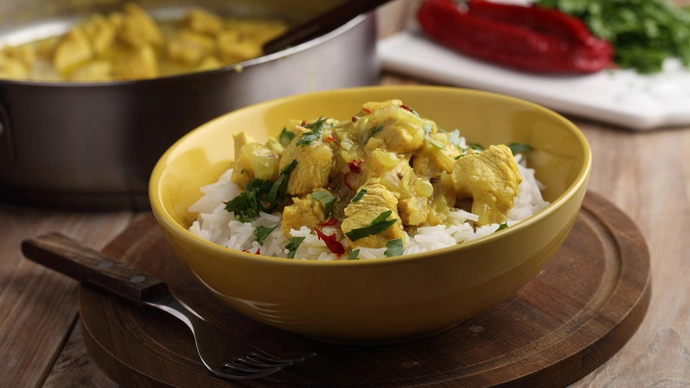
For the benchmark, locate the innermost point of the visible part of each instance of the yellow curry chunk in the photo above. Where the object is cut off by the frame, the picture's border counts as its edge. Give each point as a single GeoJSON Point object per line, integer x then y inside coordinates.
{"type": "Point", "coordinates": [100, 33]}
{"type": "Point", "coordinates": [98, 70]}
{"type": "Point", "coordinates": [189, 47]}
{"type": "Point", "coordinates": [202, 21]}
{"type": "Point", "coordinates": [491, 179]}
{"type": "Point", "coordinates": [376, 201]}
{"type": "Point", "coordinates": [73, 50]}
{"type": "Point", "coordinates": [307, 212]}
{"type": "Point", "coordinates": [11, 68]}
{"type": "Point", "coordinates": [138, 29]}
{"type": "Point", "coordinates": [141, 64]}
{"type": "Point", "coordinates": [314, 162]}
{"type": "Point", "coordinates": [253, 160]}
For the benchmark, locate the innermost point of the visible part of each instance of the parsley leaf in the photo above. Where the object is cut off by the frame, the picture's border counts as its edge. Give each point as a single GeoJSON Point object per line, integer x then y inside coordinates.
{"type": "Point", "coordinates": [460, 156]}
{"type": "Point", "coordinates": [436, 143]}
{"type": "Point", "coordinates": [394, 248]}
{"type": "Point", "coordinates": [312, 135]}
{"type": "Point", "coordinates": [378, 225]}
{"type": "Point", "coordinates": [501, 227]}
{"type": "Point", "coordinates": [376, 130]}
{"type": "Point", "coordinates": [516, 148]}
{"type": "Point", "coordinates": [427, 129]}
{"type": "Point", "coordinates": [262, 232]}
{"type": "Point", "coordinates": [476, 147]}
{"type": "Point", "coordinates": [353, 255]}
{"type": "Point", "coordinates": [286, 137]}
{"type": "Point", "coordinates": [327, 200]}
{"type": "Point", "coordinates": [293, 245]}
{"type": "Point", "coordinates": [359, 195]}
{"type": "Point", "coordinates": [643, 32]}
{"type": "Point", "coordinates": [260, 196]}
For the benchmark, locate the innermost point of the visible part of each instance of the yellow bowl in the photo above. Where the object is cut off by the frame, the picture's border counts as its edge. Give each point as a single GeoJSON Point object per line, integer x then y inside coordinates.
{"type": "Point", "coordinates": [384, 300]}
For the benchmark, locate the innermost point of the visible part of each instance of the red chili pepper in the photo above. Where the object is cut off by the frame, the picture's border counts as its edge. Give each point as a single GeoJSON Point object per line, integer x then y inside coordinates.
{"type": "Point", "coordinates": [331, 221]}
{"type": "Point", "coordinates": [258, 251]}
{"type": "Point", "coordinates": [407, 108]}
{"type": "Point", "coordinates": [355, 166]}
{"type": "Point", "coordinates": [330, 138]}
{"type": "Point", "coordinates": [346, 182]}
{"type": "Point", "coordinates": [332, 242]}
{"type": "Point", "coordinates": [365, 110]}
{"type": "Point", "coordinates": [528, 38]}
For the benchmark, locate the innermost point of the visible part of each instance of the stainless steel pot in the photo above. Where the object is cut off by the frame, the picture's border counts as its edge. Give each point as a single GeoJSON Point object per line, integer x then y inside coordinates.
{"type": "Point", "coordinates": [93, 146]}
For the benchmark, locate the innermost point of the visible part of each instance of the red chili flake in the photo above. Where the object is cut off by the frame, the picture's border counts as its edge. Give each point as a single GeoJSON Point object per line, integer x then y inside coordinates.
{"type": "Point", "coordinates": [407, 108]}
{"type": "Point", "coordinates": [355, 166]}
{"type": "Point", "coordinates": [332, 242]}
{"type": "Point", "coordinates": [346, 183]}
{"type": "Point", "coordinates": [258, 251]}
{"type": "Point", "coordinates": [365, 110]}
{"type": "Point", "coordinates": [355, 119]}
{"type": "Point", "coordinates": [225, 202]}
{"type": "Point", "coordinates": [245, 251]}
{"type": "Point", "coordinates": [330, 138]}
{"type": "Point", "coordinates": [331, 221]}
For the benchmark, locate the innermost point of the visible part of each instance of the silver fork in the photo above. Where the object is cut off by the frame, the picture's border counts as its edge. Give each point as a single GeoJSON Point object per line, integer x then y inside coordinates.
{"type": "Point", "coordinates": [224, 354]}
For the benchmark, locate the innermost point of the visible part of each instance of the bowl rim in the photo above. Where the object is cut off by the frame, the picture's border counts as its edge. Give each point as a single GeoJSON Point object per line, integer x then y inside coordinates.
{"type": "Point", "coordinates": [166, 220]}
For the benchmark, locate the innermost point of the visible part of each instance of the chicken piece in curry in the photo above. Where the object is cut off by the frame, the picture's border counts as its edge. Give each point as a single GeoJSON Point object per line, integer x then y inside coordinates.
{"type": "Point", "coordinates": [384, 172]}
{"type": "Point", "coordinates": [129, 44]}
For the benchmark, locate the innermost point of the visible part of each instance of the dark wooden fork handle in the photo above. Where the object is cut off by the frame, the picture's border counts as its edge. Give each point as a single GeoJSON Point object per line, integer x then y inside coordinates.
{"type": "Point", "coordinates": [91, 267]}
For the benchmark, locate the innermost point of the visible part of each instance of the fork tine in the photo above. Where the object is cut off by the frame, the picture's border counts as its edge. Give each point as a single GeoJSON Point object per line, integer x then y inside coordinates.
{"type": "Point", "coordinates": [243, 368]}
{"type": "Point", "coordinates": [267, 357]}
{"type": "Point", "coordinates": [242, 375]}
{"type": "Point", "coordinates": [258, 362]}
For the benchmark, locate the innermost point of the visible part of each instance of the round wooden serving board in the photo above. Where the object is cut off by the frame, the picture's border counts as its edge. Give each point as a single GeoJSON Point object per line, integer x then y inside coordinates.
{"type": "Point", "coordinates": [578, 312]}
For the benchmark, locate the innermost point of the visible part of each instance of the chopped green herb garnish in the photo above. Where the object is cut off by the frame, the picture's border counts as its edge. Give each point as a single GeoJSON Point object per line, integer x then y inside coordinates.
{"type": "Point", "coordinates": [353, 255]}
{"type": "Point", "coordinates": [441, 130]}
{"type": "Point", "coordinates": [436, 143]}
{"type": "Point", "coordinates": [262, 232]}
{"type": "Point", "coordinates": [293, 245]}
{"type": "Point", "coordinates": [375, 130]}
{"type": "Point", "coordinates": [394, 248]}
{"type": "Point", "coordinates": [287, 170]}
{"type": "Point", "coordinates": [359, 195]}
{"type": "Point", "coordinates": [286, 137]}
{"type": "Point", "coordinates": [427, 129]}
{"type": "Point", "coordinates": [327, 200]}
{"type": "Point", "coordinates": [460, 156]}
{"type": "Point", "coordinates": [382, 217]}
{"type": "Point", "coordinates": [312, 135]}
{"type": "Point", "coordinates": [260, 196]}
{"type": "Point", "coordinates": [378, 225]}
{"type": "Point", "coordinates": [516, 148]}
{"type": "Point", "coordinates": [502, 226]}
{"type": "Point", "coordinates": [476, 147]}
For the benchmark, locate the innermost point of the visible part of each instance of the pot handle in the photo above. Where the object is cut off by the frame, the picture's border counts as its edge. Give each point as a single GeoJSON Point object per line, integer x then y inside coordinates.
{"type": "Point", "coordinates": [6, 131]}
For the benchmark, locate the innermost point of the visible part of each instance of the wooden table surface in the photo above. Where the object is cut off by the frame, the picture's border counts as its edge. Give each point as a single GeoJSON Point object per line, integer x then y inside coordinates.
{"type": "Point", "coordinates": [647, 175]}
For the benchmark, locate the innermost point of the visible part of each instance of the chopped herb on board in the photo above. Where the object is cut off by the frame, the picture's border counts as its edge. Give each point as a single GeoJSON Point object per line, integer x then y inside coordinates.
{"type": "Point", "coordinates": [262, 232]}
{"type": "Point", "coordinates": [359, 195]}
{"type": "Point", "coordinates": [516, 148]}
{"type": "Point", "coordinates": [286, 137]}
{"type": "Point", "coordinates": [327, 200]}
{"type": "Point", "coordinates": [378, 225]}
{"type": "Point", "coordinates": [293, 245]}
{"type": "Point", "coordinates": [394, 248]}
{"type": "Point", "coordinates": [353, 255]}
{"type": "Point", "coordinates": [502, 226]}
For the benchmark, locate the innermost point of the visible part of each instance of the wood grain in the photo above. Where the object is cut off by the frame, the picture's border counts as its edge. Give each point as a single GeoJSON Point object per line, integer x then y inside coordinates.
{"type": "Point", "coordinates": [38, 306]}
{"type": "Point", "coordinates": [575, 315]}
{"type": "Point", "coordinates": [645, 174]}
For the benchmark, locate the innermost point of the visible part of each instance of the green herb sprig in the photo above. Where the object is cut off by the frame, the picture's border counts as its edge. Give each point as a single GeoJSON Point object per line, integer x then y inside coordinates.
{"type": "Point", "coordinates": [394, 248]}
{"type": "Point", "coordinates": [315, 133]}
{"type": "Point", "coordinates": [292, 246]}
{"type": "Point", "coordinates": [378, 225]}
{"type": "Point", "coordinates": [327, 200]}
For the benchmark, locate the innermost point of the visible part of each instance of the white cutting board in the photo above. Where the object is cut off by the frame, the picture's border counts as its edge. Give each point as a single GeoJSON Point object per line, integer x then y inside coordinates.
{"type": "Point", "coordinates": [621, 97]}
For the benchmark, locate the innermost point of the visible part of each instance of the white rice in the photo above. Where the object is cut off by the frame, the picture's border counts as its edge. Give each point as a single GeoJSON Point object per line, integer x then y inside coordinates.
{"type": "Point", "coordinates": [217, 225]}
